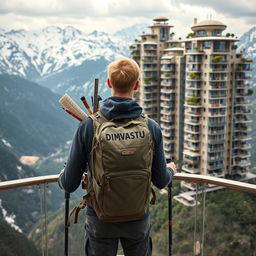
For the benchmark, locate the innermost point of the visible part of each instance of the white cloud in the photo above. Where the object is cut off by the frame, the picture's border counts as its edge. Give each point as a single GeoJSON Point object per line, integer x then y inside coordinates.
{"type": "Point", "coordinates": [245, 8]}
{"type": "Point", "coordinates": [113, 15]}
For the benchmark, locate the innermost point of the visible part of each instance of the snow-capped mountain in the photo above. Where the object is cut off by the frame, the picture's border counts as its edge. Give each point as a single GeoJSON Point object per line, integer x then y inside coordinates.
{"type": "Point", "coordinates": [53, 49]}
{"type": "Point", "coordinates": [247, 44]}
{"type": "Point", "coordinates": [64, 60]}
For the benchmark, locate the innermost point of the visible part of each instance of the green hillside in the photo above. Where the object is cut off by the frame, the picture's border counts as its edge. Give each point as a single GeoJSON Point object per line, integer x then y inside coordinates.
{"type": "Point", "coordinates": [13, 243]}
{"type": "Point", "coordinates": [32, 121]}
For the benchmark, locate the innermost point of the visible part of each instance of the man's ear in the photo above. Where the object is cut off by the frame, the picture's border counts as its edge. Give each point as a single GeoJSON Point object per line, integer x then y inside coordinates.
{"type": "Point", "coordinates": [109, 84]}
{"type": "Point", "coordinates": [136, 86]}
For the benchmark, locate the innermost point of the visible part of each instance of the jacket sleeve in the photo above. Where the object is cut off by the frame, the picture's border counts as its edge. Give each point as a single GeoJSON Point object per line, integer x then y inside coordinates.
{"type": "Point", "coordinates": [76, 165]}
{"type": "Point", "coordinates": [161, 174]}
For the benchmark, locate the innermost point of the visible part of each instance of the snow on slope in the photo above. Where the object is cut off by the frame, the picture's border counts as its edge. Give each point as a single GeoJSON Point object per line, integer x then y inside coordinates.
{"type": "Point", "coordinates": [52, 49]}
{"type": "Point", "coordinates": [247, 44]}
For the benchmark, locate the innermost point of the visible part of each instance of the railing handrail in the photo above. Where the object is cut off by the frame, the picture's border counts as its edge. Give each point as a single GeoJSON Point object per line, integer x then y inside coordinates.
{"type": "Point", "coordinates": [194, 178]}
{"type": "Point", "coordinates": [11, 184]}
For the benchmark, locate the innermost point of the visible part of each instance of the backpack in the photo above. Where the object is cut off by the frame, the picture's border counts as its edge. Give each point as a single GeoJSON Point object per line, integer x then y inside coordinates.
{"type": "Point", "coordinates": [118, 182]}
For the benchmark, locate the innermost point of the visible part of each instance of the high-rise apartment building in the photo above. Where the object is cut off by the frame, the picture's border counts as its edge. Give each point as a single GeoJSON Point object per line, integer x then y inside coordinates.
{"type": "Point", "coordinates": [196, 89]}
{"type": "Point", "coordinates": [162, 83]}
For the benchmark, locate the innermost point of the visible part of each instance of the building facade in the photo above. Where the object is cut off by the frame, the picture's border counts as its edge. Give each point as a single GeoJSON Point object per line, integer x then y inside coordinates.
{"type": "Point", "coordinates": [197, 90]}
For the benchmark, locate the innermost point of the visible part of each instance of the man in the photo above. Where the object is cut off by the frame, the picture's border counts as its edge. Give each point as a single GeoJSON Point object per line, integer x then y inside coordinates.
{"type": "Point", "coordinates": [102, 237]}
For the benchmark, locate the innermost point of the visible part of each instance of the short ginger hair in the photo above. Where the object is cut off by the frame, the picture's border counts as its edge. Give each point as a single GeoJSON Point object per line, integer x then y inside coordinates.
{"type": "Point", "coordinates": [123, 74]}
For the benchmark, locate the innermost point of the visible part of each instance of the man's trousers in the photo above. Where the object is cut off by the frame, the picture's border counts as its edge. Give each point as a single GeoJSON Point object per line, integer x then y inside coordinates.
{"type": "Point", "coordinates": [101, 238]}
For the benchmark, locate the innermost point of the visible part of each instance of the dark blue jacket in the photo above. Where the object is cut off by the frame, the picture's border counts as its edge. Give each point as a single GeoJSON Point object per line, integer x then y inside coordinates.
{"type": "Point", "coordinates": [82, 144]}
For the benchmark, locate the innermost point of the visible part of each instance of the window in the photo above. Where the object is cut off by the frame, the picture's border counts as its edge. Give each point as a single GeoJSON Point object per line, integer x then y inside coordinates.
{"type": "Point", "coordinates": [188, 46]}
{"type": "Point", "coordinates": [207, 44]}
{"type": "Point", "coordinates": [216, 32]}
{"type": "Point", "coordinates": [163, 34]}
{"type": "Point", "coordinates": [201, 33]}
{"type": "Point", "coordinates": [220, 46]}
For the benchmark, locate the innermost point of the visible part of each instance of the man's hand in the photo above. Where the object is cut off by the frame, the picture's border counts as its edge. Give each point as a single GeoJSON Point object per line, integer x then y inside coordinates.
{"type": "Point", "coordinates": [173, 166]}
{"type": "Point", "coordinates": [61, 172]}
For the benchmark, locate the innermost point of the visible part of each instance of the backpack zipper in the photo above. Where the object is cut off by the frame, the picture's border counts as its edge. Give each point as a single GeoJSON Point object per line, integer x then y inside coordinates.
{"type": "Point", "coordinates": [111, 176]}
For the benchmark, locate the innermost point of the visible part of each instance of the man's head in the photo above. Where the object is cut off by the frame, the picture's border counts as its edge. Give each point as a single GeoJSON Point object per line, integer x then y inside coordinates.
{"type": "Point", "coordinates": [123, 75]}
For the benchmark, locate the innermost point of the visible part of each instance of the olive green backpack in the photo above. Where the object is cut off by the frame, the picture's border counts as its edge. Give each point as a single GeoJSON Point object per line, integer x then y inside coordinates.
{"type": "Point", "coordinates": [118, 183]}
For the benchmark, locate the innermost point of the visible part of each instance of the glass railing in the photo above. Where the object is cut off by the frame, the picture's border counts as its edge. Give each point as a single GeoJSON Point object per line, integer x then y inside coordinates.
{"type": "Point", "coordinates": [200, 222]}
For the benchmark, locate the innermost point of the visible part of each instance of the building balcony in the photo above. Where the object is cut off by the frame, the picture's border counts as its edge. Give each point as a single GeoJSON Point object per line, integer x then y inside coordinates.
{"type": "Point", "coordinates": [190, 186]}
{"type": "Point", "coordinates": [218, 87]}
{"type": "Point", "coordinates": [192, 113]}
{"type": "Point", "coordinates": [148, 53]}
{"type": "Point", "coordinates": [167, 98]}
{"type": "Point", "coordinates": [167, 69]}
{"type": "Point", "coordinates": [193, 78]}
{"type": "Point", "coordinates": [167, 112]}
{"type": "Point", "coordinates": [166, 133]}
{"type": "Point", "coordinates": [218, 59]}
{"type": "Point", "coordinates": [218, 96]}
{"type": "Point", "coordinates": [242, 111]}
{"type": "Point", "coordinates": [242, 163]}
{"type": "Point", "coordinates": [193, 59]}
{"type": "Point", "coordinates": [168, 147]}
{"type": "Point", "coordinates": [242, 85]}
{"type": "Point", "coordinates": [243, 67]}
{"type": "Point", "coordinates": [189, 169]}
{"type": "Point", "coordinates": [242, 128]}
{"type": "Point", "coordinates": [192, 138]}
{"type": "Point", "coordinates": [242, 154]}
{"type": "Point", "coordinates": [215, 140]}
{"type": "Point", "coordinates": [167, 118]}
{"type": "Point", "coordinates": [192, 121]}
{"type": "Point", "coordinates": [217, 105]}
{"type": "Point", "coordinates": [193, 96]}
{"type": "Point", "coordinates": [150, 69]}
{"type": "Point", "coordinates": [242, 120]}
{"type": "Point", "coordinates": [149, 60]}
{"type": "Point", "coordinates": [168, 139]}
{"type": "Point", "coordinates": [167, 90]}
{"type": "Point", "coordinates": [215, 167]}
{"type": "Point", "coordinates": [217, 114]}
{"type": "Point", "coordinates": [167, 75]}
{"type": "Point", "coordinates": [216, 132]}
{"type": "Point", "coordinates": [219, 78]}
{"type": "Point", "coordinates": [167, 126]}
{"type": "Point", "coordinates": [244, 146]}
{"type": "Point", "coordinates": [243, 78]}
{"type": "Point", "coordinates": [195, 51]}
{"type": "Point", "coordinates": [196, 70]}
{"type": "Point", "coordinates": [193, 87]}
{"type": "Point", "coordinates": [196, 130]}
{"type": "Point", "coordinates": [242, 103]}
{"type": "Point", "coordinates": [241, 136]}
{"type": "Point", "coordinates": [215, 149]}
{"type": "Point", "coordinates": [218, 70]}
{"type": "Point", "coordinates": [242, 172]}
{"type": "Point", "coordinates": [189, 146]}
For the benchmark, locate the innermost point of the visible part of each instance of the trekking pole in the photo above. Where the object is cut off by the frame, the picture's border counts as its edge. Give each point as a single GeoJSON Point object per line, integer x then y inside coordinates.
{"type": "Point", "coordinates": [170, 217]}
{"type": "Point", "coordinates": [67, 196]}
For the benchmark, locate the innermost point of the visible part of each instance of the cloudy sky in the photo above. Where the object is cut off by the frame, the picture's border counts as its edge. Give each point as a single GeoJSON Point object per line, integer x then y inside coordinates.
{"type": "Point", "coordinates": [112, 15]}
